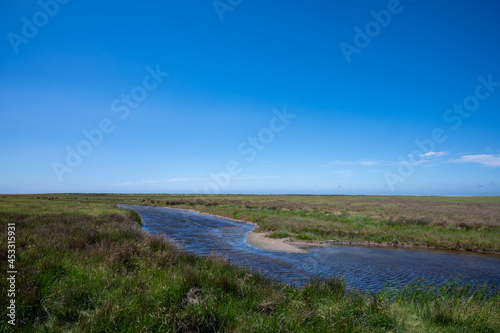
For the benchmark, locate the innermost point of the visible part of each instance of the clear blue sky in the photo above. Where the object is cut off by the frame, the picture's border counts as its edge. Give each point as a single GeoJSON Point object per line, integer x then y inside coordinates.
{"type": "Point", "coordinates": [327, 97]}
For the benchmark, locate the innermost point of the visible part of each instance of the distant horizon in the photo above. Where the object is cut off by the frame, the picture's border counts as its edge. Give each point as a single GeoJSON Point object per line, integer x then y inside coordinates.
{"type": "Point", "coordinates": [258, 194]}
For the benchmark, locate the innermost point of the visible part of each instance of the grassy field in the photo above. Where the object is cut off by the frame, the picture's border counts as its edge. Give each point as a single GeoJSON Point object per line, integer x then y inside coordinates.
{"type": "Point", "coordinates": [460, 223]}
{"type": "Point", "coordinates": [85, 265]}
{"type": "Point", "coordinates": [457, 223]}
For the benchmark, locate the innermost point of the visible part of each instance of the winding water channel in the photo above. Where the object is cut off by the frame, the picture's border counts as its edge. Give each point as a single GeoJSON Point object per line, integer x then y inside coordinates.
{"type": "Point", "coordinates": [367, 268]}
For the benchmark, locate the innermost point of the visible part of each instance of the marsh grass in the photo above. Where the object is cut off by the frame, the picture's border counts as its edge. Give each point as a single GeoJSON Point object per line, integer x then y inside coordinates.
{"type": "Point", "coordinates": [472, 308]}
{"type": "Point", "coordinates": [85, 265]}
{"type": "Point", "coordinates": [456, 223]}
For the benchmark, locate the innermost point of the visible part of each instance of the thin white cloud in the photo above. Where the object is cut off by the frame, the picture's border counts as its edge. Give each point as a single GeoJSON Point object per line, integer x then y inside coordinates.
{"type": "Point", "coordinates": [124, 184]}
{"type": "Point", "coordinates": [345, 173]}
{"type": "Point", "coordinates": [149, 182]}
{"type": "Point", "coordinates": [423, 159]}
{"type": "Point", "coordinates": [258, 177]}
{"type": "Point", "coordinates": [434, 154]}
{"type": "Point", "coordinates": [334, 163]}
{"type": "Point", "coordinates": [413, 160]}
{"type": "Point", "coordinates": [153, 182]}
{"type": "Point", "coordinates": [483, 159]}
{"type": "Point", "coordinates": [338, 162]}
{"type": "Point", "coordinates": [174, 180]}
{"type": "Point", "coordinates": [269, 166]}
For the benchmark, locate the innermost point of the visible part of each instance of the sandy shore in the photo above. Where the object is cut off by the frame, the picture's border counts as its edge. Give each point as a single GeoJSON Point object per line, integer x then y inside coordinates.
{"type": "Point", "coordinates": [260, 241]}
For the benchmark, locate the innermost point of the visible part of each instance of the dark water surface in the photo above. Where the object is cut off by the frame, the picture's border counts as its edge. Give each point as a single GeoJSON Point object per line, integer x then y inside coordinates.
{"type": "Point", "coordinates": [367, 268]}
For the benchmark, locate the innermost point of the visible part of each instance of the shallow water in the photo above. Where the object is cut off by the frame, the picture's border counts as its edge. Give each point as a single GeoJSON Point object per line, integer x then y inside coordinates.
{"type": "Point", "coordinates": [367, 268]}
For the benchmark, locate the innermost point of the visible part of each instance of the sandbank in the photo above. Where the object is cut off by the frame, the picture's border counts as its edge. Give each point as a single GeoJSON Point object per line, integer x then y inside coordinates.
{"type": "Point", "coordinates": [260, 241]}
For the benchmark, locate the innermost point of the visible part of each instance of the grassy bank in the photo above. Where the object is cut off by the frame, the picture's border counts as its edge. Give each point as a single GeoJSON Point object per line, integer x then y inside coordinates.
{"type": "Point", "coordinates": [457, 223]}
{"type": "Point", "coordinates": [445, 222]}
{"type": "Point", "coordinates": [85, 265]}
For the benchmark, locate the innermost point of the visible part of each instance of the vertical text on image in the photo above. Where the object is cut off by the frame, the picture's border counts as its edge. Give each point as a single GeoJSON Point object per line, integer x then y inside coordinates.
{"type": "Point", "coordinates": [11, 273]}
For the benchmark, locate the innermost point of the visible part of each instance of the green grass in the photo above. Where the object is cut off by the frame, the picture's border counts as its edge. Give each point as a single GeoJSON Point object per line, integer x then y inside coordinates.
{"type": "Point", "coordinates": [279, 234]}
{"type": "Point", "coordinates": [455, 223]}
{"type": "Point", "coordinates": [85, 265]}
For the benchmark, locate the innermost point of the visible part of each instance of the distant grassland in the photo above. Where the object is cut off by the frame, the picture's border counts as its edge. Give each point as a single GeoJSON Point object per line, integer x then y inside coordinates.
{"type": "Point", "coordinates": [84, 265]}
{"type": "Point", "coordinates": [471, 223]}
{"type": "Point", "coordinates": [457, 223]}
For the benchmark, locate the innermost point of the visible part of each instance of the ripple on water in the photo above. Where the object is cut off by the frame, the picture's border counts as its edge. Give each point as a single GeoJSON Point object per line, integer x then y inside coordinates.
{"type": "Point", "coordinates": [367, 268]}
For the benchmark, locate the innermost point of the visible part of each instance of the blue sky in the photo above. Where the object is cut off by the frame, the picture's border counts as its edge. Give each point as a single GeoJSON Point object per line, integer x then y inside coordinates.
{"type": "Point", "coordinates": [317, 97]}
